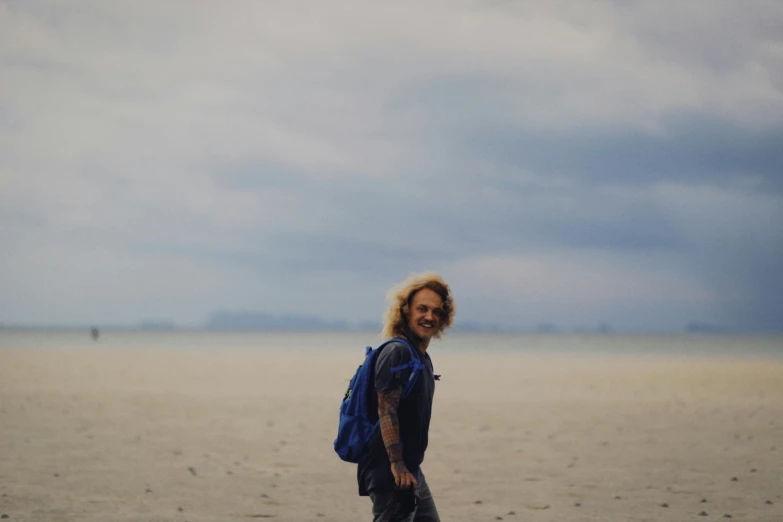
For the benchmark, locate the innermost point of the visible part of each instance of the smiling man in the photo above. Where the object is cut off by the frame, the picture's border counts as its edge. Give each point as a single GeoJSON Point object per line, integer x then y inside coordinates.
{"type": "Point", "coordinates": [420, 309]}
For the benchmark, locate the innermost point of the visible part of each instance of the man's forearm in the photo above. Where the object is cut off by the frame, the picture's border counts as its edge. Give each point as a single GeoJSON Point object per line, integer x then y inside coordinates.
{"type": "Point", "coordinates": [390, 424]}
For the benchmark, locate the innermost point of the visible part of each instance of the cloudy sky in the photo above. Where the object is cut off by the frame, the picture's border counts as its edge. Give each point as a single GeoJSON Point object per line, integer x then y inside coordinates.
{"type": "Point", "coordinates": [560, 162]}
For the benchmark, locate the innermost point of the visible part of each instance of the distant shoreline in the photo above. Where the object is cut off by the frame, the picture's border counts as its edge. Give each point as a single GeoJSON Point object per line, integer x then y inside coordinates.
{"type": "Point", "coordinates": [455, 330]}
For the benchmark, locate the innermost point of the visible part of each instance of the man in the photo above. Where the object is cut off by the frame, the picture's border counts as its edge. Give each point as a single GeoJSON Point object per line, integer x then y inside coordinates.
{"type": "Point", "coordinates": [420, 309]}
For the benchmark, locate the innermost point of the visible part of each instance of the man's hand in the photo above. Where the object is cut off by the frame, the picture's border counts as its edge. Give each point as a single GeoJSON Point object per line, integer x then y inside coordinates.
{"type": "Point", "coordinates": [402, 477]}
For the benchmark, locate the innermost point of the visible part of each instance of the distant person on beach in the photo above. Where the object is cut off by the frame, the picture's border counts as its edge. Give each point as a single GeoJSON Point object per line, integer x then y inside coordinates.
{"type": "Point", "coordinates": [420, 309]}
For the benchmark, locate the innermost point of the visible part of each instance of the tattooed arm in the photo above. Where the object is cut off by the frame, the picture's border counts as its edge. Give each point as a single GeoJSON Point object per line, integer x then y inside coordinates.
{"type": "Point", "coordinates": [390, 431]}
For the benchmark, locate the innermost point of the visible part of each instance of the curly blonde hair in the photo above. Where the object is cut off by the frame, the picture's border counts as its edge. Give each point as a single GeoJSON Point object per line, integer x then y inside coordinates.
{"type": "Point", "coordinates": [399, 299]}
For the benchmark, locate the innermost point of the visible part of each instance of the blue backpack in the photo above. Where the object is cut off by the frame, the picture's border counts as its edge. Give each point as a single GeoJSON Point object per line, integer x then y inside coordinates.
{"type": "Point", "coordinates": [356, 420]}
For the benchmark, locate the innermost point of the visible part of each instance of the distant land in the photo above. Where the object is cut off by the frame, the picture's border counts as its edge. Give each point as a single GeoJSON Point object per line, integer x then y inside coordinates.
{"type": "Point", "coordinates": [157, 324]}
{"type": "Point", "coordinates": [700, 327]}
{"type": "Point", "coordinates": [246, 320]}
{"type": "Point", "coordinates": [243, 320]}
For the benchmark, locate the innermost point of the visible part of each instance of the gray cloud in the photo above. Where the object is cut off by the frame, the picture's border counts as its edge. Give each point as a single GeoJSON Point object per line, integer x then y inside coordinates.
{"type": "Point", "coordinates": [569, 162]}
{"type": "Point", "coordinates": [690, 150]}
{"type": "Point", "coordinates": [720, 35]}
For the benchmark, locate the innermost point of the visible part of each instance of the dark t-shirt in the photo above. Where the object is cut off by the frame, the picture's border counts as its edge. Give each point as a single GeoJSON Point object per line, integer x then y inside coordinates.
{"type": "Point", "coordinates": [414, 411]}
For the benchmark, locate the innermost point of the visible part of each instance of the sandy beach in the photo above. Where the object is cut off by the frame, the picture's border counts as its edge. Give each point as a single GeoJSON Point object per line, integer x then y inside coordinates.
{"type": "Point", "coordinates": [94, 435]}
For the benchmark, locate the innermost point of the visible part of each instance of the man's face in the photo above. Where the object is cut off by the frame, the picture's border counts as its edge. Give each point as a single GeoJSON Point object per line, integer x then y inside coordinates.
{"type": "Point", "coordinates": [424, 316]}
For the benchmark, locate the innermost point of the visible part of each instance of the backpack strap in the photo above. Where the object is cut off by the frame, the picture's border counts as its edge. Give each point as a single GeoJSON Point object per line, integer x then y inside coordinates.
{"type": "Point", "coordinates": [414, 364]}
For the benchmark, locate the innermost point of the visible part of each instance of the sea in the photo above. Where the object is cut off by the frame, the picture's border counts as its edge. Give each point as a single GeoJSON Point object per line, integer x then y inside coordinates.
{"type": "Point", "coordinates": [686, 344]}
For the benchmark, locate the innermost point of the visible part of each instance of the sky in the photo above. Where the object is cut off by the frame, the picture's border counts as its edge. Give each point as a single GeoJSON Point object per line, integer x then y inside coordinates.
{"type": "Point", "coordinates": [556, 162]}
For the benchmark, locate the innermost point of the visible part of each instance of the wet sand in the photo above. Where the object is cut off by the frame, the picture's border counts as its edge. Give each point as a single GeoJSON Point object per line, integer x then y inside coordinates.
{"type": "Point", "coordinates": [92, 435]}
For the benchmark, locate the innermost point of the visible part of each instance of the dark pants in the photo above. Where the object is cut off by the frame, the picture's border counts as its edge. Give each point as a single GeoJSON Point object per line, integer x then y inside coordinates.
{"type": "Point", "coordinates": [395, 506]}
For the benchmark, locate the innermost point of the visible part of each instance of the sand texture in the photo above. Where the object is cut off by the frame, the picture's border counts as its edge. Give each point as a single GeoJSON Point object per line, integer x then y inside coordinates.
{"type": "Point", "coordinates": [93, 435]}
